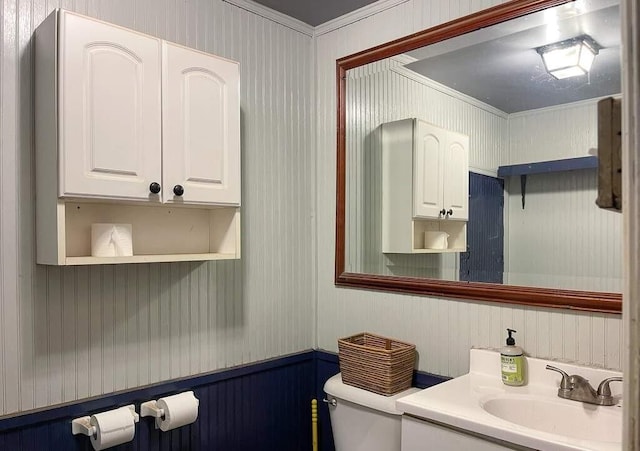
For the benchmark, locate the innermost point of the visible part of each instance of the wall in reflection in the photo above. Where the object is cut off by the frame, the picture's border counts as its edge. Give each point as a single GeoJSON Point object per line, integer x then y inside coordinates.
{"type": "Point", "coordinates": [382, 92]}
{"type": "Point", "coordinates": [561, 239]}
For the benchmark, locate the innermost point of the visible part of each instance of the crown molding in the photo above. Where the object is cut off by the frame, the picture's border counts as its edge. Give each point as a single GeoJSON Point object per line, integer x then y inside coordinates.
{"type": "Point", "coordinates": [354, 16]}
{"type": "Point", "coordinates": [306, 29]}
{"type": "Point", "coordinates": [273, 15]}
{"type": "Point", "coordinates": [401, 70]}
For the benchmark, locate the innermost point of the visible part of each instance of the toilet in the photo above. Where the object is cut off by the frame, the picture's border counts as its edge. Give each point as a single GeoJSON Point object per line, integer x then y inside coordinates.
{"type": "Point", "coordinates": [362, 420]}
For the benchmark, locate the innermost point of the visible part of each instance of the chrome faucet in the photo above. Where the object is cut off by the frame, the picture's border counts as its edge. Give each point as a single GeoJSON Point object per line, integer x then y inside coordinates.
{"type": "Point", "coordinates": [577, 388]}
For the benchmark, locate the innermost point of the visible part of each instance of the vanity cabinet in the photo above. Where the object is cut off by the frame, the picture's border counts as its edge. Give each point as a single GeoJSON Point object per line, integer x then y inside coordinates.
{"type": "Point", "coordinates": [425, 186]}
{"type": "Point", "coordinates": [133, 129]}
{"type": "Point", "coordinates": [421, 435]}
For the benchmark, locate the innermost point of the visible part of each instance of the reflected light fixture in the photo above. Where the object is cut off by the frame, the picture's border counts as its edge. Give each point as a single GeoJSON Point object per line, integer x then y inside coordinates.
{"type": "Point", "coordinates": [569, 58]}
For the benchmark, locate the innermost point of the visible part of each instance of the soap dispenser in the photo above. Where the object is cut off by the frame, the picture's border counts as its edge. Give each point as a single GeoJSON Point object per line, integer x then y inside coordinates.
{"type": "Point", "coordinates": [512, 362]}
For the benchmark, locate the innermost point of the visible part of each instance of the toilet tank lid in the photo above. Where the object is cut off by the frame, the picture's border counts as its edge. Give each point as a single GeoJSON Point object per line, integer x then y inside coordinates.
{"type": "Point", "coordinates": [338, 389]}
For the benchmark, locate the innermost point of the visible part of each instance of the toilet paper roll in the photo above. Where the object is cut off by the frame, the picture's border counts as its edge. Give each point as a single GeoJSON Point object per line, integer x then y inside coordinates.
{"type": "Point", "coordinates": [112, 428]}
{"type": "Point", "coordinates": [179, 410]}
{"type": "Point", "coordinates": [111, 240]}
{"type": "Point", "coordinates": [435, 240]}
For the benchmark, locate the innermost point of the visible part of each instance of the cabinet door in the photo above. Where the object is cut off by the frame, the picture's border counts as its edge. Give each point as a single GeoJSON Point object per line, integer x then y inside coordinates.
{"type": "Point", "coordinates": [201, 127]}
{"type": "Point", "coordinates": [109, 110]}
{"type": "Point", "coordinates": [456, 176]}
{"type": "Point", "coordinates": [429, 145]}
{"type": "Point", "coordinates": [421, 435]}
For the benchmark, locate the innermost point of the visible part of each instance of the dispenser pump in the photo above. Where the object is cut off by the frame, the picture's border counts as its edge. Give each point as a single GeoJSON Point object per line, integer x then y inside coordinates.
{"type": "Point", "coordinates": [510, 340]}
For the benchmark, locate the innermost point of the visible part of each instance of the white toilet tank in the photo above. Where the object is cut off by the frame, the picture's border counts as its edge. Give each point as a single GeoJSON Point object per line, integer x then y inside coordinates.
{"type": "Point", "coordinates": [362, 420]}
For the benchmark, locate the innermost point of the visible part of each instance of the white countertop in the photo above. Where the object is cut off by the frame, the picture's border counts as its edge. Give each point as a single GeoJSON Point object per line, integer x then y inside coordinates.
{"type": "Point", "coordinates": [458, 403]}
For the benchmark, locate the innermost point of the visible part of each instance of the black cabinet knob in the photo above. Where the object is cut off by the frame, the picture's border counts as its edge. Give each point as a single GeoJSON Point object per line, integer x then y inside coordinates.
{"type": "Point", "coordinates": [450, 212]}
{"type": "Point", "coordinates": [443, 212]}
{"type": "Point", "coordinates": [178, 190]}
{"type": "Point", "coordinates": [154, 187]}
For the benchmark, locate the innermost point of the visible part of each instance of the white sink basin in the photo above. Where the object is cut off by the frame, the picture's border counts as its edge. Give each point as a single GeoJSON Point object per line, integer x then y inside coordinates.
{"type": "Point", "coordinates": [532, 416]}
{"type": "Point", "coordinates": [577, 420]}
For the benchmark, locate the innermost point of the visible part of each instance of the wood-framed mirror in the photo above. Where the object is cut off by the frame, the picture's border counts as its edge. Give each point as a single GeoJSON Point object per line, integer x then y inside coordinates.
{"type": "Point", "coordinates": [451, 77]}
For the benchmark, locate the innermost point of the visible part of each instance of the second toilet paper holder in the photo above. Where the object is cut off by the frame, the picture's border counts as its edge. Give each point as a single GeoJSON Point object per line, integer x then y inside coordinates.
{"type": "Point", "coordinates": [151, 409]}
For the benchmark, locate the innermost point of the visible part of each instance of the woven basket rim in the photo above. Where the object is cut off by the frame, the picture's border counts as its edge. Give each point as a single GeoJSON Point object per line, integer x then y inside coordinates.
{"type": "Point", "coordinates": [346, 340]}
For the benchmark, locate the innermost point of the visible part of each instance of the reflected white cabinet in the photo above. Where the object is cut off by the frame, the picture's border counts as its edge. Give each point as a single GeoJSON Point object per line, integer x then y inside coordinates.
{"type": "Point", "coordinates": [440, 172]}
{"type": "Point", "coordinates": [132, 129]}
{"type": "Point", "coordinates": [425, 186]}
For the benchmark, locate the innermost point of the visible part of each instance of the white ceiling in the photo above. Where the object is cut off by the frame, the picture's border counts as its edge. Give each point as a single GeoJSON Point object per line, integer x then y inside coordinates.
{"type": "Point", "coordinates": [507, 72]}
{"type": "Point", "coordinates": [500, 66]}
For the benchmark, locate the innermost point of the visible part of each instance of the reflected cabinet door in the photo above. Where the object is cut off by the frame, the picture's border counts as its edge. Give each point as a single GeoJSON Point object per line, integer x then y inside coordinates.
{"type": "Point", "coordinates": [440, 173]}
{"type": "Point", "coordinates": [429, 146]}
{"type": "Point", "coordinates": [201, 127]}
{"type": "Point", "coordinates": [109, 105]}
{"type": "Point", "coordinates": [456, 176]}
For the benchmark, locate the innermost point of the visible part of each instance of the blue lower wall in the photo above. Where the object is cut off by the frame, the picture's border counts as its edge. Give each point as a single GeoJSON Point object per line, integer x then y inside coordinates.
{"type": "Point", "coordinates": [263, 406]}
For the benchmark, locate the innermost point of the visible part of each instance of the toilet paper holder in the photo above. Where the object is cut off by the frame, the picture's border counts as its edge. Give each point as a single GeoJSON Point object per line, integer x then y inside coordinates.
{"type": "Point", "coordinates": [172, 411]}
{"type": "Point", "coordinates": [151, 409]}
{"type": "Point", "coordinates": [82, 425]}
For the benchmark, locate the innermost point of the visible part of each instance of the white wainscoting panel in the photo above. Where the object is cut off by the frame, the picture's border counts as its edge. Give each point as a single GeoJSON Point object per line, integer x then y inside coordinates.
{"type": "Point", "coordinates": [442, 329]}
{"type": "Point", "coordinates": [70, 333]}
{"type": "Point", "coordinates": [567, 131]}
{"type": "Point", "coordinates": [582, 244]}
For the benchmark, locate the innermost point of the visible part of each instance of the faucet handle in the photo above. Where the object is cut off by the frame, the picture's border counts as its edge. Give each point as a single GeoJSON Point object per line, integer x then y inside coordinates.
{"type": "Point", "coordinates": [565, 383]}
{"type": "Point", "coordinates": [603, 388]}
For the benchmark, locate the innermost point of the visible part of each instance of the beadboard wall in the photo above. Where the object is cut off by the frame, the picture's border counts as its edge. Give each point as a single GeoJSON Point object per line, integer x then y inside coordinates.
{"type": "Point", "coordinates": [583, 244]}
{"type": "Point", "coordinates": [442, 329]}
{"type": "Point", "coordinates": [585, 241]}
{"type": "Point", "coordinates": [564, 131]}
{"type": "Point", "coordinates": [72, 333]}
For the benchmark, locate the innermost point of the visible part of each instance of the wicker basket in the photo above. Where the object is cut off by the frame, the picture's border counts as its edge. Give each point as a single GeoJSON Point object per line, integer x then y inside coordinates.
{"type": "Point", "coordinates": [378, 364]}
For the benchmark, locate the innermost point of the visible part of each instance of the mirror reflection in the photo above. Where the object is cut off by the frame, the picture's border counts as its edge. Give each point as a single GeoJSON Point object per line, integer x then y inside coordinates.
{"type": "Point", "coordinates": [473, 159]}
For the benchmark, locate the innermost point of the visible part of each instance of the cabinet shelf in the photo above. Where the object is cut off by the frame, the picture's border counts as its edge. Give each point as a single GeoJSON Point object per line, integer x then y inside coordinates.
{"type": "Point", "coordinates": [71, 261]}
{"type": "Point", "coordinates": [438, 251]}
{"type": "Point", "coordinates": [159, 233]}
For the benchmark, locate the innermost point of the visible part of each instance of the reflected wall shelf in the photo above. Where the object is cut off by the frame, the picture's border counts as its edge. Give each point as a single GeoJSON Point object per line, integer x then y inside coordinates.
{"type": "Point", "coordinates": [545, 167]}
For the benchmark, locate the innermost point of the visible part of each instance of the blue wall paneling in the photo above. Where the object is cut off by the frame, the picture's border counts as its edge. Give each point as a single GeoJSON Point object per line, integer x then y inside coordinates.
{"type": "Point", "coordinates": [263, 406]}
{"type": "Point", "coordinates": [484, 259]}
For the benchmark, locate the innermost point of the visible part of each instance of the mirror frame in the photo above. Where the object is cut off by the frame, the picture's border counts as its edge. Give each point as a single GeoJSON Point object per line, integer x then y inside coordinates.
{"type": "Point", "coordinates": [476, 291]}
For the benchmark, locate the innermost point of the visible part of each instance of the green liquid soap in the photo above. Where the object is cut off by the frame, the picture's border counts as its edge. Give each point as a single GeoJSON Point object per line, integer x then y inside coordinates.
{"type": "Point", "coordinates": [512, 362]}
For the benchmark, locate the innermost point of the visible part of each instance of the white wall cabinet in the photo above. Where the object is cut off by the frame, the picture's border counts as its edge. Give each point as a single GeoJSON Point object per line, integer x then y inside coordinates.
{"type": "Point", "coordinates": [425, 186]}
{"type": "Point", "coordinates": [133, 129]}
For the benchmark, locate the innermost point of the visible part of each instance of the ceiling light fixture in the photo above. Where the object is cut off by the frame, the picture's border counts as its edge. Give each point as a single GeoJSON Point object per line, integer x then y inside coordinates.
{"type": "Point", "coordinates": [569, 58]}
